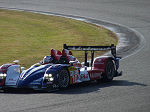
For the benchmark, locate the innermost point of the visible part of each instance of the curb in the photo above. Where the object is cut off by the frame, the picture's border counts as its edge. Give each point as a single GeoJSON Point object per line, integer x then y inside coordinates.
{"type": "Point", "coordinates": [130, 40]}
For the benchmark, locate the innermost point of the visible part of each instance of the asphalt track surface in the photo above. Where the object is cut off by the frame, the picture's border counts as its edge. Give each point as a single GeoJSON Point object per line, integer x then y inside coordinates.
{"type": "Point", "coordinates": [129, 93]}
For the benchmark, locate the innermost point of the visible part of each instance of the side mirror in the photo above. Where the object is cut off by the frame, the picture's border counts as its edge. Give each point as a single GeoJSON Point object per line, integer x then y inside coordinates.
{"type": "Point", "coordinates": [75, 64]}
{"type": "Point", "coordinates": [72, 62]}
{"type": "Point", "coordinates": [22, 69]}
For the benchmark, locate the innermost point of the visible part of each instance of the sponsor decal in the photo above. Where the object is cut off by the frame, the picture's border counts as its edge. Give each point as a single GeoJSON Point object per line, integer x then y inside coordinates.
{"type": "Point", "coordinates": [98, 61]}
{"type": "Point", "coordinates": [72, 68]}
{"type": "Point", "coordinates": [95, 75]}
{"type": "Point", "coordinates": [84, 76]}
{"type": "Point", "coordinates": [12, 79]}
{"type": "Point", "coordinates": [55, 86]}
{"type": "Point", "coordinates": [77, 76]}
{"type": "Point", "coordinates": [35, 87]}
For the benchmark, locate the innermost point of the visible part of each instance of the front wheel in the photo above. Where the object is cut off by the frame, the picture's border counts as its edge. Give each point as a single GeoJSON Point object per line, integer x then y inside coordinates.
{"type": "Point", "coordinates": [109, 71]}
{"type": "Point", "coordinates": [64, 79]}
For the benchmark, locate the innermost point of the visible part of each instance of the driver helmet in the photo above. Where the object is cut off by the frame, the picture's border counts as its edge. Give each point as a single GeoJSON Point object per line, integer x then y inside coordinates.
{"type": "Point", "coordinates": [47, 59]}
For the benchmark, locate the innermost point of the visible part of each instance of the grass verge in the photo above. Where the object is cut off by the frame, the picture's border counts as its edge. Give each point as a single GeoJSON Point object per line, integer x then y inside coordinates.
{"type": "Point", "coordinates": [28, 37]}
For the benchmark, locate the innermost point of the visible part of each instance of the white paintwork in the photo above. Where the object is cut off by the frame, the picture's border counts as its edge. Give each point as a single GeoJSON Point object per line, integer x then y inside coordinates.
{"type": "Point", "coordinates": [13, 74]}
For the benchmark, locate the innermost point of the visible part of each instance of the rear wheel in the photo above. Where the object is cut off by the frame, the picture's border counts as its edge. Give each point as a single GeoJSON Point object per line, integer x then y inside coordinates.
{"type": "Point", "coordinates": [109, 71]}
{"type": "Point", "coordinates": [64, 79]}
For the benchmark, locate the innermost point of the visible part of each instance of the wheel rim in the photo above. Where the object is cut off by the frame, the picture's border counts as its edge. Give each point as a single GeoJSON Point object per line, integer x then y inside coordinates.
{"type": "Point", "coordinates": [63, 79]}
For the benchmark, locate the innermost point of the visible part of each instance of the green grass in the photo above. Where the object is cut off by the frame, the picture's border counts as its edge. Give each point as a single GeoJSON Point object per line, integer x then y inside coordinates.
{"type": "Point", "coordinates": [28, 37]}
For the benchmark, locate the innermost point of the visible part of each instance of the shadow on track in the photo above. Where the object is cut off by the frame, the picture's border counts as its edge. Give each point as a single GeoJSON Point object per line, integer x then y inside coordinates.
{"type": "Point", "coordinates": [93, 86]}
{"type": "Point", "coordinates": [78, 88]}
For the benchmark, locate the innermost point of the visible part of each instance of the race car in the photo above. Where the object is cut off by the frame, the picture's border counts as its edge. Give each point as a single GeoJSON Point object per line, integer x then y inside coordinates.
{"type": "Point", "coordinates": [62, 69]}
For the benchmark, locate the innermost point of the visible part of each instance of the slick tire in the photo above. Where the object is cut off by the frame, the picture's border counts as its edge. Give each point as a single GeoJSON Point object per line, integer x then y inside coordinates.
{"type": "Point", "coordinates": [109, 71]}
{"type": "Point", "coordinates": [64, 79]}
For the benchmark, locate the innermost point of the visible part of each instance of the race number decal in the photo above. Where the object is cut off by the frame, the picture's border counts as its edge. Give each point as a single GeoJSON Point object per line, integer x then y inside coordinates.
{"type": "Point", "coordinates": [74, 75]}
{"type": "Point", "coordinates": [77, 75]}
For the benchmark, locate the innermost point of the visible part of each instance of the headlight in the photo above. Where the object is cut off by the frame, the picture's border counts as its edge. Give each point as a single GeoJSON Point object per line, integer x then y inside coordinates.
{"type": "Point", "coordinates": [46, 76]}
{"type": "Point", "coordinates": [2, 76]}
{"type": "Point", "coordinates": [49, 77]}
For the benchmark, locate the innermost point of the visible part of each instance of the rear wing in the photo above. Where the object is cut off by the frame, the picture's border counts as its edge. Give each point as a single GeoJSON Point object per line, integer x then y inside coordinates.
{"type": "Point", "coordinates": [112, 48]}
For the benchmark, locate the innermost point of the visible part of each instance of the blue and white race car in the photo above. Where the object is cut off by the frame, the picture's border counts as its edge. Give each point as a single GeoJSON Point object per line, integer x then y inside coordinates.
{"type": "Point", "coordinates": [61, 69]}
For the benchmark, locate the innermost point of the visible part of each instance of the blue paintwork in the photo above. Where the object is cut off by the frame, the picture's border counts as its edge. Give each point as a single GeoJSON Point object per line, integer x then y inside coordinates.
{"type": "Point", "coordinates": [54, 70]}
{"type": "Point", "coordinates": [32, 75]}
